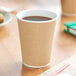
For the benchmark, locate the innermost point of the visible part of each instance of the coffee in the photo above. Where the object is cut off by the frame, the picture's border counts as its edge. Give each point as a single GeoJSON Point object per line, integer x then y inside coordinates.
{"type": "Point", "coordinates": [37, 18]}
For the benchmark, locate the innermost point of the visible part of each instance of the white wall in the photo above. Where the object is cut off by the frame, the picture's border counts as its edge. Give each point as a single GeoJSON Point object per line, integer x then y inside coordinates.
{"type": "Point", "coordinates": [53, 5]}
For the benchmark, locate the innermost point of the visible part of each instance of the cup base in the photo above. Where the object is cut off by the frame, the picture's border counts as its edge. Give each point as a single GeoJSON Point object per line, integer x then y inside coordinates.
{"type": "Point", "coordinates": [30, 66]}
{"type": "Point", "coordinates": [68, 14]}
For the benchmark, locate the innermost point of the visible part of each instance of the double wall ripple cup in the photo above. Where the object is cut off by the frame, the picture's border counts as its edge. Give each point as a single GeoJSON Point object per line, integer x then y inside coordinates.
{"type": "Point", "coordinates": [68, 7]}
{"type": "Point", "coordinates": [36, 37]}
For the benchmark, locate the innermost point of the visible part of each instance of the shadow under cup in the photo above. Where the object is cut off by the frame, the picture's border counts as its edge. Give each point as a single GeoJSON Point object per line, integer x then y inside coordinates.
{"type": "Point", "coordinates": [36, 37]}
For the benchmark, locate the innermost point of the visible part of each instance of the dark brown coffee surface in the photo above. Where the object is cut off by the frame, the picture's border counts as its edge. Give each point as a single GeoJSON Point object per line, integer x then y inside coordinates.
{"type": "Point", "coordinates": [37, 18]}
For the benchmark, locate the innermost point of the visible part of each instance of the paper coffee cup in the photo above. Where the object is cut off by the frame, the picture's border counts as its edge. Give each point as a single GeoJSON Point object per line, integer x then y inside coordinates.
{"type": "Point", "coordinates": [36, 37]}
{"type": "Point", "coordinates": [68, 7]}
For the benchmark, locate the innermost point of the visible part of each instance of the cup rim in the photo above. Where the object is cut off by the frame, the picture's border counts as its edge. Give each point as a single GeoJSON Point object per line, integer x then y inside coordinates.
{"type": "Point", "coordinates": [18, 14]}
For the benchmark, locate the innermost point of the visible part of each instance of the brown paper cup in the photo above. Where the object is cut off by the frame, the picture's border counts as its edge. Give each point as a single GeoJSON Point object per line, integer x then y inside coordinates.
{"type": "Point", "coordinates": [68, 7]}
{"type": "Point", "coordinates": [36, 38]}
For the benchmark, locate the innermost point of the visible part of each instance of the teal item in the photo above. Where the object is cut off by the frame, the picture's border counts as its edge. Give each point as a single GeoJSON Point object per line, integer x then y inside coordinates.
{"type": "Point", "coordinates": [70, 27]}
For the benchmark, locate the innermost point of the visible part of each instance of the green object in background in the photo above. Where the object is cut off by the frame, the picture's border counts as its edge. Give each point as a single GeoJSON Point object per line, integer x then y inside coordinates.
{"type": "Point", "coordinates": [70, 27]}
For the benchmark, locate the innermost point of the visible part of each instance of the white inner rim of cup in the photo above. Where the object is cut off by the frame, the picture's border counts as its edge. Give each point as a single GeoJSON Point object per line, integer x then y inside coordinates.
{"type": "Point", "coordinates": [44, 13]}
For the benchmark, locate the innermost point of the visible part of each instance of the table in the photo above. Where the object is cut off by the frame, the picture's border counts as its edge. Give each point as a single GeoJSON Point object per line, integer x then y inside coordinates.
{"type": "Point", "coordinates": [10, 53]}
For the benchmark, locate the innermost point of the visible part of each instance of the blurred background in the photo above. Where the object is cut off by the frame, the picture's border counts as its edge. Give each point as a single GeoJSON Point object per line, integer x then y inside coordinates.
{"type": "Point", "coordinates": [52, 5]}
